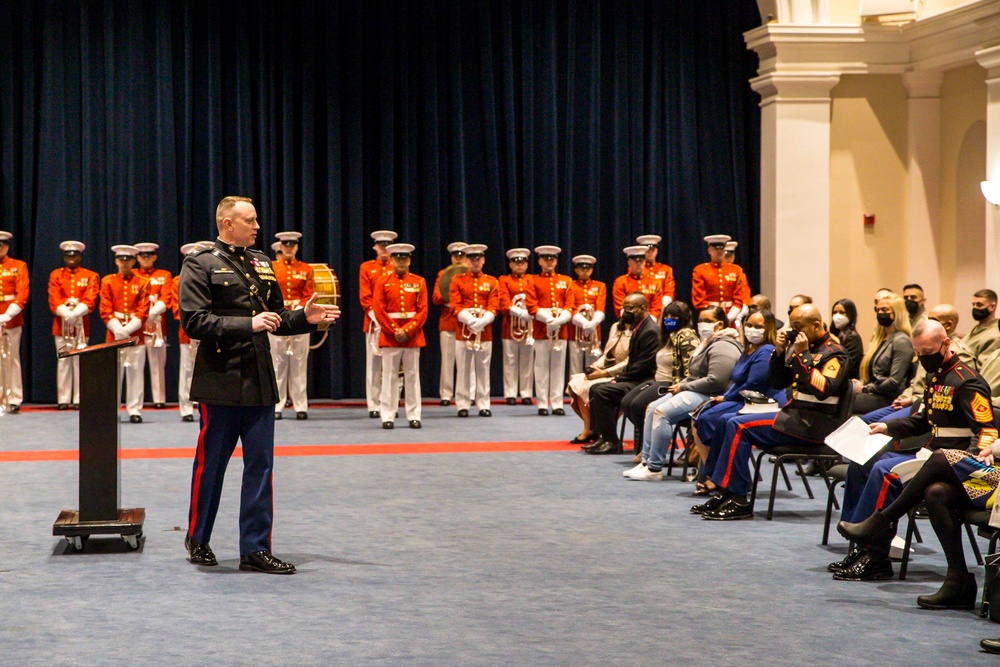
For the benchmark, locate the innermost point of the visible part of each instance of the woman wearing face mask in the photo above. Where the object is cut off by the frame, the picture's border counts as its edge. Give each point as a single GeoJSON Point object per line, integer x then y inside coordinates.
{"type": "Point", "coordinates": [708, 375]}
{"type": "Point", "coordinates": [887, 368]}
{"type": "Point", "coordinates": [843, 321]}
{"type": "Point", "coordinates": [678, 342]}
{"type": "Point", "coordinates": [605, 369]}
{"type": "Point", "coordinates": [749, 374]}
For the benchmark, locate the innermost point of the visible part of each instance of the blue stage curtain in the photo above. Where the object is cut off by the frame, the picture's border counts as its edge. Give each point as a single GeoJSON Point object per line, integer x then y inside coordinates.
{"type": "Point", "coordinates": [581, 123]}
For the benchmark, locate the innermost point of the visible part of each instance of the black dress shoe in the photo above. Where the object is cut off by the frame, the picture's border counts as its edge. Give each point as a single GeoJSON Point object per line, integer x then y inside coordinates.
{"type": "Point", "coordinates": [76, 406]}
{"type": "Point", "coordinates": [414, 423]}
{"type": "Point", "coordinates": [373, 414]}
{"type": "Point", "coordinates": [159, 406]}
{"type": "Point", "coordinates": [876, 529]}
{"type": "Point", "coordinates": [301, 415]}
{"type": "Point", "coordinates": [485, 413]}
{"type": "Point", "coordinates": [709, 505]}
{"type": "Point", "coordinates": [852, 557]}
{"type": "Point", "coordinates": [187, 418]}
{"type": "Point", "coordinates": [463, 413]}
{"type": "Point", "coordinates": [288, 402]}
{"type": "Point", "coordinates": [62, 406]}
{"type": "Point", "coordinates": [511, 401]}
{"type": "Point", "coordinates": [584, 440]}
{"type": "Point", "coordinates": [542, 412]}
{"type": "Point", "coordinates": [445, 402]}
{"type": "Point", "coordinates": [388, 425]}
{"type": "Point", "coordinates": [957, 592]}
{"type": "Point", "coordinates": [990, 645]}
{"type": "Point", "coordinates": [135, 419]}
{"type": "Point", "coordinates": [525, 401]}
{"type": "Point", "coordinates": [263, 561]}
{"type": "Point", "coordinates": [559, 412]}
{"type": "Point", "coordinates": [199, 554]}
{"type": "Point", "coordinates": [277, 415]}
{"type": "Point", "coordinates": [729, 510]}
{"type": "Point", "coordinates": [14, 409]}
{"type": "Point", "coordinates": [870, 566]}
{"type": "Point", "coordinates": [605, 448]}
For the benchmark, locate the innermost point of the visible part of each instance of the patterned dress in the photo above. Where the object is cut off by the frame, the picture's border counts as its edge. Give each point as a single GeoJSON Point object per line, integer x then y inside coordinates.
{"type": "Point", "coordinates": [979, 480]}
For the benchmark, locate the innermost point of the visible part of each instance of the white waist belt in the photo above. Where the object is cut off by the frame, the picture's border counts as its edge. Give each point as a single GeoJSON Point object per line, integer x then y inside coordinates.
{"type": "Point", "coordinates": [809, 398]}
{"type": "Point", "coordinates": [401, 316]}
{"type": "Point", "coordinates": [9, 297]}
{"type": "Point", "coordinates": [953, 432]}
{"type": "Point", "coordinates": [727, 304]}
{"type": "Point", "coordinates": [120, 316]}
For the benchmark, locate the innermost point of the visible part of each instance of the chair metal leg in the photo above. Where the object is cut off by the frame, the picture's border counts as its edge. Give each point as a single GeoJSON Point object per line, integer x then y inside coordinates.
{"type": "Point", "coordinates": [829, 510]}
{"type": "Point", "coordinates": [974, 544]}
{"type": "Point", "coordinates": [916, 532]}
{"type": "Point", "coordinates": [774, 488]}
{"type": "Point", "coordinates": [756, 476]}
{"type": "Point", "coordinates": [805, 480]}
{"type": "Point", "coordinates": [779, 464]}
{"type": "Point", "coordinates": [911, 526]}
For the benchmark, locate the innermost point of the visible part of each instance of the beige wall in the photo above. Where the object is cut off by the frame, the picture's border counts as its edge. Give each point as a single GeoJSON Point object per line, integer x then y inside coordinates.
{"type": "Point", "coordinates": [867, 175]}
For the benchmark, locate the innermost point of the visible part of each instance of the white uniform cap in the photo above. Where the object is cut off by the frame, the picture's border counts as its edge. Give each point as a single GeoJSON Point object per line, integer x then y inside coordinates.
{"type": "Point", "coordinates": [147, 247]}
{"type": "Point", "coordinates": [276, 246]}
{"type": "Point", "coordinates": [648, 239]}
{"type": "Point", "coordinates": [384, 235]}
{"type": "Point", "coordinates": [515, 253]}
{"type": "Point", "coordinates": [731, 246]}
{"type": "Point", "coordinates": [124, 250]}
{"type": "Point", "coordinates": [400, 248]}
{"type": "Point", "coordinates": [288, 236]}
{"type": "Point", "coordinates": [713, 239]}
{"type": "Point", "coordinates": [548, 250]}
{"type": "Point", "coordinates": [474, 249]}
{"type": "Point", "coordinates": [584, 259]}
{"type": "Point", "coordinates": [189, 248]}
{"type": "Point", "coordinates": [6, 236]}
{"type": "Point", "coordinates": [635, 251]}
{"type": "Point", "coordinates": [457, 246]}
{"type": "Point", "coordinates": [72, 246]}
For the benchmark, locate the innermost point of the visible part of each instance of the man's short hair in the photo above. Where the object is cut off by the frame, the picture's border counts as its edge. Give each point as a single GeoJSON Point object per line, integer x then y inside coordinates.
{"type": "Point", "coordinates": [645, 301]}
{"type": "Point", "coordinates": [805, 298]}
{"type": "Point", "coordinates": [762, 301]}
{"type": "Point", "coordinates": [225, 207]}
{"type": "Point", "coordinates": [913, 286]}
{"type": "Point", "coordinates": [987, 294]}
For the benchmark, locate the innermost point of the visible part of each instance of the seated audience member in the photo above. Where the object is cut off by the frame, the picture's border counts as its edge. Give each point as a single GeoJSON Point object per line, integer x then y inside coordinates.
{"type": "Point", "coordinates": [605, 369]}
{"type": "Point", "coordinates": [816, 371]}
{"type": "Point", "coordinates": [913, 296]}
{"type": "Point", "coordinates": [881, 293]}
{"type": "Point", "coordinates": [947, 316]}
{"type": "Point", "coordinates": [606, 398]}
{"type": "Point", "coordinates": [795, 302]}
{"type": "Point", "coordinates": [750, 374]}
{"type": "Point", "coordinates": [958, 476]}
{"type": "Point", "coordinates": [985, 336]}
{"type": "Point", "coordinates": [842, 325]}
{"type": "Point", "coordinates": [886, 368]}
{"type": "Point", "coordinates": [708, 375]}
{"type": "Point", "coordinates": [678, 342]}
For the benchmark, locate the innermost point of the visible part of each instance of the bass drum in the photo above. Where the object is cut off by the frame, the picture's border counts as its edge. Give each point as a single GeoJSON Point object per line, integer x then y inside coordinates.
{"type": "Point", "coordinates": [327, 287]}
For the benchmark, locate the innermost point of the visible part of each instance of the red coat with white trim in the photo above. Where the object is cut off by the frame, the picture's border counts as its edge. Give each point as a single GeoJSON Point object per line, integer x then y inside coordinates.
{"type": "Point", "coordinates": [400, 304]}
{"type": "Point", "coordinates": [553, 291]}
{"type": "Point", "coordinates": [15, 287]}
{"type": "Point", "coordinates": [469, 291]}
{"type": "Point", "coordinates": [646, 283]}
{"type": "Point", "coordinates": [370, 273]}
{"type": "Point", "coordinates": [592, 292]}
{"type": "Point", "coordinates": [295, 279]}
{"type": "Point", "coordinates": [511, 286]}
{"type": "Point", "coordinates": [717, 284]}
{"type": "Point", "coordinates": [665, 275]}
{"type": "Point", "coordinates": [80, 284]}
{"type": "Point", "coordinates": [123, 299]}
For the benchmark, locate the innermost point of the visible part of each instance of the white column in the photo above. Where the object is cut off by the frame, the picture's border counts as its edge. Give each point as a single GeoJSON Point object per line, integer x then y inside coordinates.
{"type": "Point", "coordinates": [923, 175]}
{"type": "Point", "coordinates": [795, 185]}
{"type": "Point", "coordinates": [990, 60]}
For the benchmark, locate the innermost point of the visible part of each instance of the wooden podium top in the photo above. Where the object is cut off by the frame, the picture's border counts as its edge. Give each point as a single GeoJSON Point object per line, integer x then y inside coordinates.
{"type": "Point", "coordinates": [128, 342]}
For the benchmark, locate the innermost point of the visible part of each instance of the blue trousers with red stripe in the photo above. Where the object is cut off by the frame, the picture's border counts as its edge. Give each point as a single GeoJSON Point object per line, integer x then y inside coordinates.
{"type": "Point", "coordinates": [222, 426]}
{"type": "Point", "coordinates": [744, 432]}
{"type": "Point", "coordinates": [870, 487]}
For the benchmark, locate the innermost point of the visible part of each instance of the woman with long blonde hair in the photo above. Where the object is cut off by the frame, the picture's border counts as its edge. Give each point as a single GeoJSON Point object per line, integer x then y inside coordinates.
{"type": "Point", "coordinates": [888, 366]}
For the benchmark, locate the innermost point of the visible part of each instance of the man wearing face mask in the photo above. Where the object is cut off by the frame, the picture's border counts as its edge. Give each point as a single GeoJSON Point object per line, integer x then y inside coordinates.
{"type": "Point", "coordinates": [913, 296]}
{"type": "Point", "coordinates": [956, 412]}
{"type": "Point", "coordinates": [606, 398]}
{"type": "Point", "coordinates": [985, 336]}
{"type": "Point", "coordinates": [815, 374]}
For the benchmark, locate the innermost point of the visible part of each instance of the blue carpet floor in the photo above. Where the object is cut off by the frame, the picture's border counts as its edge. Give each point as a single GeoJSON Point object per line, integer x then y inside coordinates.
{"type": "Point", "coordinates": [535, 558]}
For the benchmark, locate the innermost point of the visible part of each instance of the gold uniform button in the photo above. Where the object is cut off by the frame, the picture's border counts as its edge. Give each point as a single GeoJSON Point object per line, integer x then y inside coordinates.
{"type": "Point", "coordinates": [253, 312]}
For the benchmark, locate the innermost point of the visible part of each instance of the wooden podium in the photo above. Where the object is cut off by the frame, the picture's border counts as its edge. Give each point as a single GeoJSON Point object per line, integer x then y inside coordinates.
{"type": "Point", "coordinates": [100, 438]}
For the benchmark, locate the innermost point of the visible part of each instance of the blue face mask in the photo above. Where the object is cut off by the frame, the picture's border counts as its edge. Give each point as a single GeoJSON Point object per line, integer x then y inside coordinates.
{"type": "Point", "coordinates": [669, 324]}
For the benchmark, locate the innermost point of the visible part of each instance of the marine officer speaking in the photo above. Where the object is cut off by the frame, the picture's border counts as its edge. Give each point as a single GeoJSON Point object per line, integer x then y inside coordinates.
{"type": "Point", "coordinates": [230, 300]}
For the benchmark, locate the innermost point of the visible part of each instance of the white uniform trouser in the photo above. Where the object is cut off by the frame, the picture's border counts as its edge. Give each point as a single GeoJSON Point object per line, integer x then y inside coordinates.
{"type": "Point", "coordinates": [290, 369]}
{"type": "Point", "coordinates": [157, 357]}
{"type": "Point", "coordinates": [550, 374]}
{"type": "Point", "coordinates": [373, 376]}
{"type": "Point", "coordinates": [580, 357]}
{"type": "Point", "coordinates": [517, 368]}
{"type": "Point", "coordinates": [16, 387]}
{"type": "Point", "coordinates": [67, 377]}
{"type": "Point", "coordinates": [447, 382]}
{"type": "Point", "coordinates": [135, 385]}
{"type": "Point", "coordinates": [391, 356]}
{"type": "Point", "coordinates": [473, 368]}
{"type": "Point", "coordinates": [188, 354]}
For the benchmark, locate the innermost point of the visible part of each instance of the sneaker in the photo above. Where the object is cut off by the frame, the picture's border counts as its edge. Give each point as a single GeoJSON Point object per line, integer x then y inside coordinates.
{"type": "Point", "coordinates": [644, 474]}
{"type": "Point", "coordinates": [627, 473]}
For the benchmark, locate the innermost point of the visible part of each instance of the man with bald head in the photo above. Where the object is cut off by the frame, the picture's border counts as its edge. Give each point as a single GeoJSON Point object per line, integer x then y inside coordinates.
{"type": "Point", "coordinates": [815, 374]}
{"type": "Point", "coordinates": [956, 413]}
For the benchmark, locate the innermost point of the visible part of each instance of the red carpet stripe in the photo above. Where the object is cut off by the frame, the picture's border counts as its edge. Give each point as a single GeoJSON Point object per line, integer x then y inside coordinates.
{"type": "Point", "coordinates": [395, 449]}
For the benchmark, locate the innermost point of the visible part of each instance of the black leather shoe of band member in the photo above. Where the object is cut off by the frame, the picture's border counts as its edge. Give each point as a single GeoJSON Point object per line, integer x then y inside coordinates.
{"type": "Point", "coordinates": [957, 592]}
{"type": "Point", "coordinates": [850, 559]}
{"type": "Point", "coordinates": [373, 414]}
{"type": "Point", "coordinates": [301, 415]}
{"type": "Point", "coordinates": [729, 510]}
{"type": "Point", "coordinates": [990, 645]}
{"type": "Point", "coordinates": [262, 561]}
{"type": "Point", "coordinates": [511, 401]}
{"type": "Point", "coordinates": [485, 413]}
{"type": "Point", "coordinates": [445, 402]}
{"type": "Point", "coordinates": [277, 416]}
{"type": "Point", "coordinates": [709, 505]}
{"type": "Point", "coordinates": [14, 409]}
{"type": "Point", "coordinates": [525, 401]}
{"type": "Point", "coordinates": [542, 412]}
{"type": "Point", "coordinates": [159, 406]}
{"type": "Point", "coordinates": [62, 406]}
{"type": "Point", "coordinates": [388, 425]}
{"type": "Point", "coordinates": [605, 448]}
{"type": "Point", "coordinates": [199, 554]}
{"type": "Point", "coordinates": [463, 413]}
{"type": "Point", "coordinates": [135, 419]}
{"type": "Point", "coordinates": [187, 418]}
{"type": "Point", "coordinates": [871, 566]}
{"type": "Point", "coordinates": [414, 423]}
{"type": "Point", "coordinates": [559, 412]}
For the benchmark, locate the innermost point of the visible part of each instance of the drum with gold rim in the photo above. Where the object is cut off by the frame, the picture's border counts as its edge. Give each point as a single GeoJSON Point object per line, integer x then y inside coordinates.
{"type": "Point", "coordinates": [327, 288]}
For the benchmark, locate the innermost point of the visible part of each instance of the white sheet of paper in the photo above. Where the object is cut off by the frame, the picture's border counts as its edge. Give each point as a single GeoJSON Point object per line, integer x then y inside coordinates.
{"type": "Point", "coordinates": [853, 442]}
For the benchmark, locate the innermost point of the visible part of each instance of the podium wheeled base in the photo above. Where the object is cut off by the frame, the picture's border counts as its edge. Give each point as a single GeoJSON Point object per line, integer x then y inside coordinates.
{"type": "Point", "coordinates": [76, 532]}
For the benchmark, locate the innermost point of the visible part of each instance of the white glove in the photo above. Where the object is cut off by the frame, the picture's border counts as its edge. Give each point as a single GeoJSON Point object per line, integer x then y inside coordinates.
{"type": "Point", "coordinates": [477, 325]}
{"type": "Point", "coordinates": [133, 325]}
{"type": "Point", "coordinates": [488, 318]}
{"type": "Point", "coordinates": [553, 330]}
{"type": "Point", "coordinates": [666, 301]}
{"type": "Point", "coordinates": [14, 310]}
{"type": "Point", "coordinates": [562, 318]}
{"type": "Point", "coordinates": [156, 309]}
{"type": "Point", "coordinates": [733, 312]}
{"type": "Point", "coordinates": [580, 321]}
{"type": "Point", "coordinates": [465, 316]}
{"type": "Point", "coordinates": [296, 304]}
{"type": "Point", "coordinates": [80, 310]}
{"type": "Point", "coordinates": [154, 319]}
{"type": "Point", "coordinates": [371, 316]}
{"type": "Point", "coordinates": [598, 318]}
{"type": "Point", "coordinates": [5, 318]}
{"type": "Point", "coordinates": [116, 329]}
{"type": "Point", "coordinates": [519, 313]}
{"type": "Point", "coordinates": [64, 312]}
{"type": "Point", "coordinates": [544, 315]}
